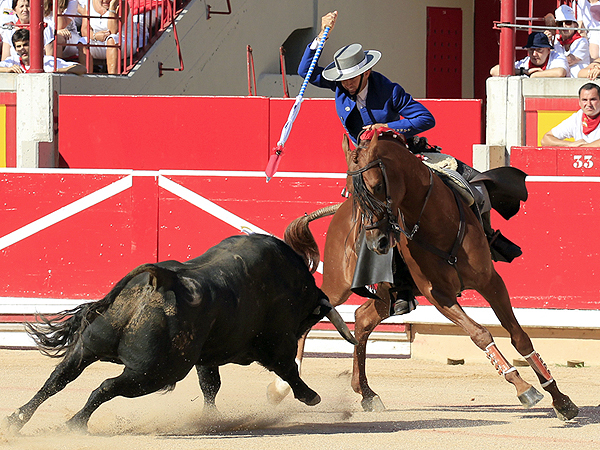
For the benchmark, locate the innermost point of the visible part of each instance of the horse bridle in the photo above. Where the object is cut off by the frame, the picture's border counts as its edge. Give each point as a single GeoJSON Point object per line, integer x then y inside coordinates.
{"type": "Point", "coordinates": [389, 216]}
{"type": "Point", "coordinates": [392, 219]}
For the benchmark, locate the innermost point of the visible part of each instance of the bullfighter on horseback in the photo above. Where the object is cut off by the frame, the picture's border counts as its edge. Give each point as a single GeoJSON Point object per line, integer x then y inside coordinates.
{"type": "Point", "coordinates": [366, 101]}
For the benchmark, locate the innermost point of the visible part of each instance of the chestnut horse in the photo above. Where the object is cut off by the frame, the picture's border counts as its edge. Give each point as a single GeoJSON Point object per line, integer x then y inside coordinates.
{"type": "Point", "coordinates": [399, 203]}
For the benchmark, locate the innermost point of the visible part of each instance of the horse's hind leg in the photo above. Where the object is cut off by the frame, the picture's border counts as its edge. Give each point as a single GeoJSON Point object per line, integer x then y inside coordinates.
{"type": "Point", "coordinates": [484, 340]}
{"type": "Point", "coordinates": [66, 371]}
{"type": "Point", "coordinates": [498, 298]}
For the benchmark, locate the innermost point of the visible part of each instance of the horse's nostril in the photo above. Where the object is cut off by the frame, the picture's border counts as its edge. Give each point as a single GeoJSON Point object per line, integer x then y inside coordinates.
{"type": "Point", "coordinates": [383, 243]}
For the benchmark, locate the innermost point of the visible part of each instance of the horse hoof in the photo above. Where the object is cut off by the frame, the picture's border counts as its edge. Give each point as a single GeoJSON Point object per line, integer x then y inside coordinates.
{"type": "Point", "coordinates": [372, 404]}
{"type": "Point", "coordinates": [277, 391]}
{"type": "Point", "coordinates": [530, 397]}
{"type": "Point", "coordinates": [568, 411]}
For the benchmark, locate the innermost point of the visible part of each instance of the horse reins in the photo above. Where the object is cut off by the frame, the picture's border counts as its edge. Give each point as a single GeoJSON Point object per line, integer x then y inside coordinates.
{"type": "Point", "coordinates": [392, 219]}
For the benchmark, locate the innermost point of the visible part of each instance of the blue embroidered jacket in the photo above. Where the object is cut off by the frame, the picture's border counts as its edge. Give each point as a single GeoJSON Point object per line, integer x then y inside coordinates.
{"type": "Point", "coordinates": [387, 102]}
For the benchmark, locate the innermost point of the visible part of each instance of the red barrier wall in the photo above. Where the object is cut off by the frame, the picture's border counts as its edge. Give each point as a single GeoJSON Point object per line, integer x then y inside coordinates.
{"type": "Point", "coordinates": [570, 161]}
{"type": "Point", "coordinates": [82, 232]}
{"type": "Point", "coordinates": [228, 133]}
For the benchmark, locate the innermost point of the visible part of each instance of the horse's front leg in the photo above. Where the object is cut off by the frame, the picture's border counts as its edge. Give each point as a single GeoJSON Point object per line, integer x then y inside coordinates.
{"type": "Point", "coordinates": [367, 317]}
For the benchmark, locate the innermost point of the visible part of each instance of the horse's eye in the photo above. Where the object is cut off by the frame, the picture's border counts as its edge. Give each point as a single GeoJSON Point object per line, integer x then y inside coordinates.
{"type": "Point", "coordinates": [378, 188]}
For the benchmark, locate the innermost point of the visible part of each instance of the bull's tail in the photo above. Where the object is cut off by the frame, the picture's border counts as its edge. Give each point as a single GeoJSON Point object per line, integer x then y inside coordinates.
{"type": "Point", "coordinates": [298, 236]}
{"type": "Point", "coordinates": [55, 334]}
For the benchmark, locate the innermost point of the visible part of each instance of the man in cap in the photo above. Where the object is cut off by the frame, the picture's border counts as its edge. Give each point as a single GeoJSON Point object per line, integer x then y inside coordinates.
{"type": "Point", "coordinates": [542, 61]}
{"type": "Point", "coordinates": [364, 99]}
{"type": "Point", "coordinates": [582, 127]}
{"type": "Point", "coordinates": [574, 45]}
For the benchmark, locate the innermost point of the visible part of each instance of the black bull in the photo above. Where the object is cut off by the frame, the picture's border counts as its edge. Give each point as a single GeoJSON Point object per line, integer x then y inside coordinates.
{"type": "Point", "coordinates": [247, 299]}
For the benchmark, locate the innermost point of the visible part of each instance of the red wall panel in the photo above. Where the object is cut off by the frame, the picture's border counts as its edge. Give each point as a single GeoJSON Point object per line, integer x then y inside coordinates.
{"type": "Point", "coordinates": [151, 133]}
{"type": "Point", "coordinates": [556, 161]}
{"type": "Point", "coordinates": [87, 250]}
{"type": "Point", "coordinates": [222, 133]}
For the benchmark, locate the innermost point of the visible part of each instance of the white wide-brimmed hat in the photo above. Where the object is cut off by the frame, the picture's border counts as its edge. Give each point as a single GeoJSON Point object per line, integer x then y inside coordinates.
{"type": "Point", "coordinates": [565, 13]}
{"type": "Point", "coordinates": [349, 62]}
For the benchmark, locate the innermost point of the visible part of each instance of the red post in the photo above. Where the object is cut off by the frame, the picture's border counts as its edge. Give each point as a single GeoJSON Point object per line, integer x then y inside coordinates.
{"type": "Point", "coordinates": [36, 36]}
{"type": "Point", "coordinates": [508, 12]}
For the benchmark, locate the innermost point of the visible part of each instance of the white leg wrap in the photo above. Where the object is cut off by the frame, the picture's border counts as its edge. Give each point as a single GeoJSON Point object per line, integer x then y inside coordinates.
{"type": "Point", "coordinates": [535, 361]}
{"type": "Point", "coordinates": [498, 360]}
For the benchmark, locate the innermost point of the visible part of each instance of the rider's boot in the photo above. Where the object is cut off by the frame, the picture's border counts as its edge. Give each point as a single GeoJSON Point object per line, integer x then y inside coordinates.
{"type": "Point", "coordinates": [502, 249]}
{"type": "Point", "coordinates": [402, 302]}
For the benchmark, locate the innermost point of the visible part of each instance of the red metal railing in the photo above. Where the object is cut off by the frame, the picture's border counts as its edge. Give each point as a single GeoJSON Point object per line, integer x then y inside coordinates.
{"type": "Point", "coordinates": [142, 22]}
{"type": "Point", "coordinates": [251, 74]}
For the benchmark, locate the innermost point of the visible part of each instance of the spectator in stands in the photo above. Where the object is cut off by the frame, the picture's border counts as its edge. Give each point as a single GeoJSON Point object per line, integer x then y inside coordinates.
{"type": "Point", "coordinates": [66, 30]}
{"type": "Point", "coordinates": [542, 60]}
{"type": "Point", "coordinates": [21, 8]}
{"type": "Point", "coordinates": [20, 64]}
{"type": "Point", "coordinates": [574, 46]}
{"type": "Point", "coordinates": [588, 13]}
{"type": "Point", "coordinates": [582, 126]}
{"type": "Point", "coordinates": [104, 29]}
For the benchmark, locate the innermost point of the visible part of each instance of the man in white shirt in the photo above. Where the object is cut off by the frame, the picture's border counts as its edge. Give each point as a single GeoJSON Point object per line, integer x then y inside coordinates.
{"type": "Point", "coordinates": [20, 63]}
{"type": "Point", "coordinates": [573, 44]}
{"type": "Point", "coordinates": [542, 61]}
{"type": "Point", "coordinates": [582, 126]}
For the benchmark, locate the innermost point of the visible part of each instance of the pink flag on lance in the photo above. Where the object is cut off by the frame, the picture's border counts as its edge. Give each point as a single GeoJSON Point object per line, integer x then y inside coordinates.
{"type": "Point", "coordinates": [277, 151]}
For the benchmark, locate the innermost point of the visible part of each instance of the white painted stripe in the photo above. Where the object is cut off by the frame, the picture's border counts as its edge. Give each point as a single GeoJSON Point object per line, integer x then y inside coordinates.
{"type": "Point", "coordinates": [250, 174]}
{"type": "Point", "coordinates": [527, 317]}
{"type": "Point", "coordinates": [66, 211]}
{"type": "Point", "coordinates": [424, 314]}
{"type": "Point", "coordinates": [68, 171]}
{"type": "Point", "coordinates": [562, 179]}
{"type": "Point", "coordinates": [208, 206]}
{"type": "Point", "coordinates": [213, 209]}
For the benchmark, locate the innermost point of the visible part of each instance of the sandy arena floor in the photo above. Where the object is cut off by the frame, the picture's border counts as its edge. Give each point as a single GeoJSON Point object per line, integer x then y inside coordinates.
{"type": "Point", "coordinates": [429, 406]}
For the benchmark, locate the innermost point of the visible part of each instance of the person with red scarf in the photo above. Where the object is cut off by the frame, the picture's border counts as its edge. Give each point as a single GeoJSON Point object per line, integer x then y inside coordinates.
{"type": "Point", "coordinates": [542, 61]}
{"type": "Point", "coordinates": [582, 127]}
{"type": "Point", "coordinates": [575, 47]}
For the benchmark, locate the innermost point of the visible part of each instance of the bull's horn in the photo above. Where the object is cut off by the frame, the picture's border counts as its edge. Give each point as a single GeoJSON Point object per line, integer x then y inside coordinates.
{"type": "Point", "coordinates": [341, 326]}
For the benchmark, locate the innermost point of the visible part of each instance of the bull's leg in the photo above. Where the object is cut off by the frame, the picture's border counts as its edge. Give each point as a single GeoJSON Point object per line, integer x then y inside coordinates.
{"type": "Point", "coordinates": [289, 373]}
{"type": "Point", "coordinates": [65, 372]}
{"type": "Point", "coordinates": [499, 300]}
{"type": "Point", "coordinates": [129, 384]}
{"type": "Point", "coordinates": [278, 389]}
{"type": "Point", "coordinates": [210, 383]}
{"type": "Point", "coordinates": [367, 317]}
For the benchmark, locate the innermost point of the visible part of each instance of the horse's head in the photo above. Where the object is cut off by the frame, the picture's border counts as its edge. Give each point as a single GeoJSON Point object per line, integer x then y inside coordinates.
{"type": "Point", "coordinates": [376, 198]}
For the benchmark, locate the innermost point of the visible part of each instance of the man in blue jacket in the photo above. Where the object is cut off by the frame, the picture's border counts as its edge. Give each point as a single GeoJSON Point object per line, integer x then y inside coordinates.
{"type": "Point", "coordinates": [364, 99]}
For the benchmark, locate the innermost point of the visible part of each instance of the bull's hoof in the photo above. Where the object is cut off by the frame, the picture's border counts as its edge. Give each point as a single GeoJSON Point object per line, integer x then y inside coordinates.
{"type": "Point", "coordinates": [372, 404]}
{"type": "Point", "coordinates": [277, 391]}
{"type": "Point", "coordinates": [77, 424]}
{"type": "Point", "coordinates": [530, 397]}
{"type": "Point", "coordinates": [567, 411]}
{"type": "Point", "coordinates": [312, 401]}
{"type": "Point", "coordinates": [13, 423]}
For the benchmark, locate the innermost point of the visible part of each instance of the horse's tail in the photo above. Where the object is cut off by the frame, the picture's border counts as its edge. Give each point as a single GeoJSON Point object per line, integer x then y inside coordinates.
{"type": "Point", "coordinates": [298, 236]}
{"type": "Point", "coordinates": [56, 334]}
